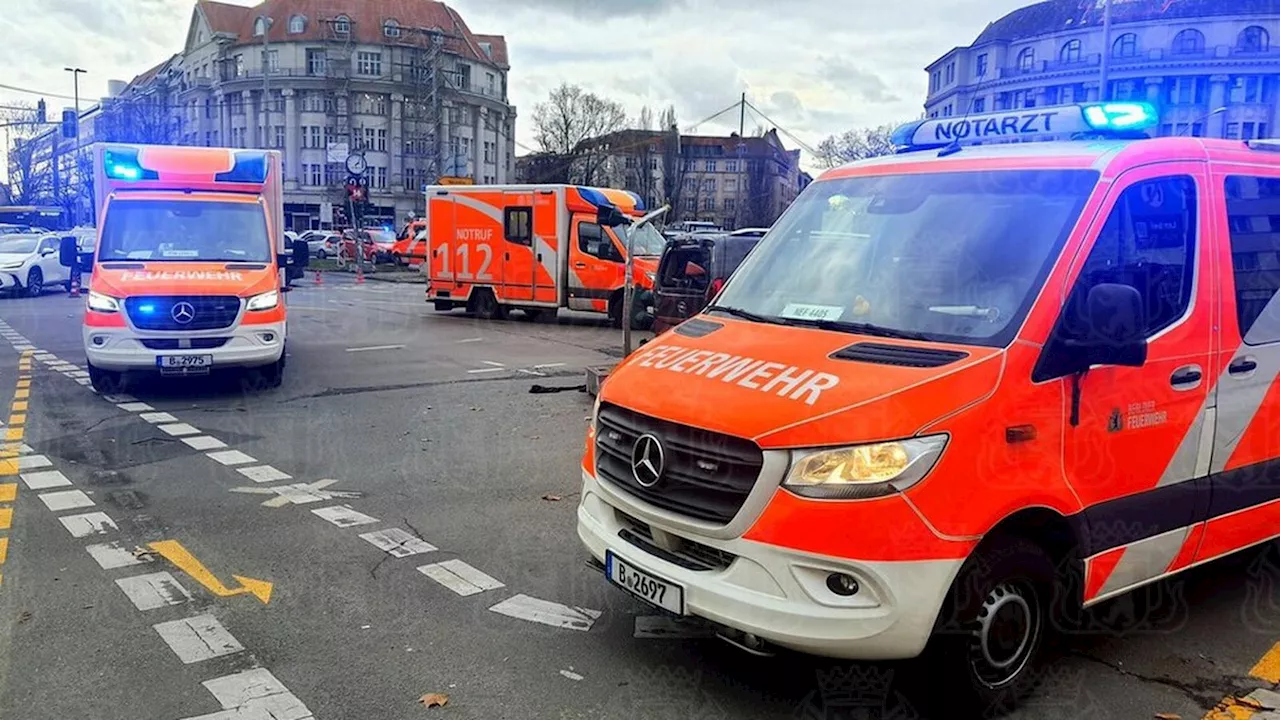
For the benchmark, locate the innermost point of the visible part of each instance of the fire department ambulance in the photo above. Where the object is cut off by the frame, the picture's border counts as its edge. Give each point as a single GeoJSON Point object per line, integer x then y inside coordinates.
{"type": "Point", "coordinates": [185, 275]}
{"type": "Point", "coordinates": [536, 248]}
{"type": "Point", "coordinates": [958, 393]}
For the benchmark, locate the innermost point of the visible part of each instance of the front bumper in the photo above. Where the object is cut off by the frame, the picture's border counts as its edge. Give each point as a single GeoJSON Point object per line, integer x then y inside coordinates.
{"type": "Point", "coordinates": [121, 349]}
{"type": "Point", "coordinates": [9, 280]}
{"type": "Point", "coordinates": [780, 595]}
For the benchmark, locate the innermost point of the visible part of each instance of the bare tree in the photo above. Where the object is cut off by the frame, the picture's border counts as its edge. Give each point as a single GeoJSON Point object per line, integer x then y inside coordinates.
{"type": "Point", "coordinates": [856, 145]}
{"type": "Point", "coordinates": [148, 119]}
{"type": "Point", "coordinates": [571, 117]}
{"type": "Point", "coordinates": [30, 174]}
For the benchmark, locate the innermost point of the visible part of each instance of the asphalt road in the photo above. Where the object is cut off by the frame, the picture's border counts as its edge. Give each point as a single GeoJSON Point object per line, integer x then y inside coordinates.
{"type": "Point", "coordinates": [394, 493]}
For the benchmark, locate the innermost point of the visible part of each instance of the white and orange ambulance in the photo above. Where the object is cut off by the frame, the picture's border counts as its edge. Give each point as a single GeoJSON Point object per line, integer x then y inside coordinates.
{"type": "Point", "coordinates": [185, 277]}
{"type": "Point", "coordinates": [956, 395]}
{"type": "Point", "coordinates": [536, 248]}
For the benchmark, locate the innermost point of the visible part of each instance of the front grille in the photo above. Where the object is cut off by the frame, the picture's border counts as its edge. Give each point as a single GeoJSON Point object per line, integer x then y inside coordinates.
{"type": "Point", "coordinates": [687, 553]}
{"type": "Point", "coordinates": [208, 312]}
{"type": "Point", "coordinates": [176, 344]}
{"type": "Point", "coordinates": [707, 475]}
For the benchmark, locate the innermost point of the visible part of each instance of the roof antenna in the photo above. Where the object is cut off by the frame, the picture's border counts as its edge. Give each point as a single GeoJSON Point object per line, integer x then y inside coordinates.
{"type": "Point", "coordinates": [1200, 119]}
{"type": "Point", "coordinates": [955, 147]}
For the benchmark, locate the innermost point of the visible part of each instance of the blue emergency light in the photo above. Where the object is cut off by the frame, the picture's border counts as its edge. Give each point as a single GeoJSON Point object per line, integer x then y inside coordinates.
{"type": "Point", "coordinates": [1095, 120]}
{"type": "Point", "coordinates": [121, 163]}
{"type": "Point", "coordinates": [250, 167]}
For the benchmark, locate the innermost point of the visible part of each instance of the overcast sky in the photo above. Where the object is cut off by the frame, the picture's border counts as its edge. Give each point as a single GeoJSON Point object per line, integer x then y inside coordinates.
{"type": "Point", "coordinates": [815, 67]}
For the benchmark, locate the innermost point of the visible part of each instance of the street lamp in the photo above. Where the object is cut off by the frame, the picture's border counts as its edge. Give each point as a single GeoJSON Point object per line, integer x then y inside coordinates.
{"type": "Point", "coordinates": [75, 78]}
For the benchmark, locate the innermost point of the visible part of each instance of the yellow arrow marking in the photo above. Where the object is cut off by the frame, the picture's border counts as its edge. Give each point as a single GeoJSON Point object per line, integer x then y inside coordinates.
{"type": "Point", "coordinates": [173, 551]}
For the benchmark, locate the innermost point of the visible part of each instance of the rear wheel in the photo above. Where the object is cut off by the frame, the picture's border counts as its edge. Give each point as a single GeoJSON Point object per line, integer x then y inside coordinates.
{"type": "Point", "coordinates": [35, 282]}
{"type": "Point", "coordinates": [487, 307]}
{"type": "Point", "coordinates": [106, 382]}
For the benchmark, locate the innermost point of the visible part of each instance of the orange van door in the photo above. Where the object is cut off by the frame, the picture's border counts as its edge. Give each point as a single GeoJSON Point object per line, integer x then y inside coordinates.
{"type": "Point", "coordinates": [1135, 451]}
{"type": "Point", "coordinates": [594, 265]}
{"type": "Point", "coordinates": [519, 266]}
{"type": "Point", "coordinates": [440, 244]}
{"type": "Point", "coordinates": [1246, 450]}
{"type": "Point", "coordinates": [547, 246]}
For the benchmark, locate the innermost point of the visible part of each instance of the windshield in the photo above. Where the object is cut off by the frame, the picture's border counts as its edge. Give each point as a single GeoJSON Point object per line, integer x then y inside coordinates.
{"type": "Point", "coordinates": [19, 246]}
{"type": "Point", "coordinates": [646, 239]}
{"type": "Point", "coordinates": [185, 230]}
{"type": "Point", "coordinates": [948, 256]}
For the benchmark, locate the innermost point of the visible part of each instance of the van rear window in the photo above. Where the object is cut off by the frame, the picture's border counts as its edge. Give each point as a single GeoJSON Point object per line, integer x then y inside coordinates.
{"type": "Point", "coordinates": [185, 230]}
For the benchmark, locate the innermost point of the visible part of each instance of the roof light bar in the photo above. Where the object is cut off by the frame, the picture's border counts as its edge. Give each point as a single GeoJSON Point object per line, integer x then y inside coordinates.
{"type": "Point", "coordinates": [1109, 119]}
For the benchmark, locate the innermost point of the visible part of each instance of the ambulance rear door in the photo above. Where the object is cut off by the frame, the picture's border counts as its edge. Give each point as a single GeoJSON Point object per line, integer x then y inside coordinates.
{"type": "Point", "coordinates": [440, 221]}
{"type": "Point", "coordinates": [550, 225]}
{"type": "Point", "coordinates": [519, 264]}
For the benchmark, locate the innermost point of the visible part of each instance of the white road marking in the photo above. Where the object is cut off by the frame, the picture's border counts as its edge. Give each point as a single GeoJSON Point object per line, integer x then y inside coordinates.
{"type": "Point", "coordinates": [94, 523]}
{"type": "Point", "coordinates": [33, 462]}
{"type": "Point", "coordinates": [375, 347]}
{"type": "Point", "coordinates": [485, 370]}
{"type": "Point", "coordinates": [23, 449]}
{"type": "Point", "coordinates": [45, 479]}
{"type": "Point", "coordinates": [398, 542]}
{"type": "Point", "coordinates": [297, 493]}
{"type": "Point", "coordinates": [119, 398]}
{"type": "Point", "coordinates": [112, 555]}
{"type": "Point", "coordinates": [158, 417]}
{"type": "Point", "coordinates": [661, 626]}
{"type": "Point", "coordinates": [231, 457]}
{"type": "Point", "coordinates": [571, 675]}
{"type": "Point", "coordinates": [263, 474]}
{"type": "Point", "coordinates": [84, 381]}
{"type": "Point", "coordinates": [65, 500]}
{"type": "Point", "coordinates": [460, 577]}
{"type": "Point", "coordinates": [468, 340]}
{"type": "Point", "coordinates": [254, 695]}
{"type": "Point", "coordinates": [548, 365]}
{"type": "Point", "coordinates": [78, 374]}
{"type": "Point", "coordinates": [343, 516]}
{"type": "Point", "coordinates": [135, 407]}
{"type": "Point", "coordinates": [204, 442]}
{"type": "Point", "coordinates": [154, 590]}
{"type": "Point", "coordinates": [198, 638]}
{"type": "Point", "coordinates": [490, 362]}
{"type": "Point", "coordinates": [523, 607]}
{"type": "Point", "coordinates": [180, 429]}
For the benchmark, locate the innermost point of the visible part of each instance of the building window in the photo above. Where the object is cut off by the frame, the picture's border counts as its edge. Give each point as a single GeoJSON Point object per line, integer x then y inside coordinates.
{"type": "Point", "coordinates": [1232, 131]}
{"type": "Point", "coordinates": [711, 166]}
{"type": "Point", "coordinates": [1027, 59]}
{"type": "Point", "coordinates": [382, 139]}
{"type": "Point", "coordinates": [1251, 89]}
{"type": "Point", "coordinates": [240, 66]}
{"type": "Point", "coordinates": [709, 204]}
{"type": "Point", "coordinates": [951, 72]}
{"type": "Point", "coordinates": [314, 175]}
{"type": "Point", "coordinates": [297, 24]}
{"type": "Point", "coordinates": [1070, 52]}
{"type": "Point", "coordinates": [1255, 39]}
{"type": "Point", "coordinates": [369, 63]}
{"type": "Point", "coordinates": [981, 65]}
{"type": "Point", "coordinates": [690, 204]}
{"type": "Point", "coordinates": [979, 105]}
{"type": "Point", "coordinates": [709, 185]}
{"type": "Point", "coordinates": [278, 136]}
{"type": "Point", "coordinates": [380, 178]}
{"type": "Point", "coordinates": [342, 25]}
{"type": "Point", "coordinates": [731, 166]}
{"type": "Point", "coordinates": [259, 27]}
{"type": "Point", "coordinates": [730, 204]}
{"type": "Point", "coordinates": [391, 28]}
{"type": "Point", "coordinates": [1186, 90]}
{"type": "Point", "coordinates": [1125, 90]}
{"type": "Point", "coordinates": [1188, 42]}
{"type": "Point", "coordinates": [731, 185]}
{"type": "Point", "coordinates": [271, 61]}
{"type": "Point", "coordinates": [316, 62]}
{"type": "Point", "coordinates": [411, 179]}
{"type": "Point", "coordinates": [1125, 46]}
{"type": "Point", "coordinates": [935, 80]}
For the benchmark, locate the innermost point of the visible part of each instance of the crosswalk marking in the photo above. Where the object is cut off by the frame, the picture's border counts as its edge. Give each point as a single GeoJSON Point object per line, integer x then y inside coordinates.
{"type": "Point", "coordinates": [65, 500]}
{"type": "Point", "coordinates": [343, 516]}
{"type": "Point", "coordinates": [112, 555]}
{"type": "Point", "coordinates": [460, 577]}
{"type": "Point", "coordinates": [153, 590]}
{"type": "Point", "coordinates": [94, 523]}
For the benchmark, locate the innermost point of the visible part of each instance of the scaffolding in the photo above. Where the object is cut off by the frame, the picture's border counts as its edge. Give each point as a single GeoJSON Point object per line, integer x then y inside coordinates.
{"type": "Point", "coordinates": [416, 68]}
{"type": "Point", "coordinates": [339, 46]}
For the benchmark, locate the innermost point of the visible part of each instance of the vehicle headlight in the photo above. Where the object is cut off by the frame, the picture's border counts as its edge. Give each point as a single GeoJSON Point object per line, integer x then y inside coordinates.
{"type": "Point", "coordinates": [651, 276]}
{"type": "Point", "coordinates": [265, 301]}
{"type": "Point", "coordinates": [863, 471]}
{"type": "Point", "coordinates": [103, 303]}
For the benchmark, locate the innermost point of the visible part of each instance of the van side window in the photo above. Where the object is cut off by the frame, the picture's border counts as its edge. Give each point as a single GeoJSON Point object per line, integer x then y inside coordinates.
{"type": "Point", "coordinates": [1148, 242]}
{"type": "Point", "coordinates": [1253, 217]}
{"type": "Point", "coordinates": [517, 224]}
{"type": "Point", "coordinates": [593, 241]}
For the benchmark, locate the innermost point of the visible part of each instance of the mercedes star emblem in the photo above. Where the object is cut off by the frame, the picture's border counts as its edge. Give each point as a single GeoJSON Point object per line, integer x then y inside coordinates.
{"type": "Point", "coordinates": [647, 460]}
{"type": "Point", "coordinates": [183, 313]}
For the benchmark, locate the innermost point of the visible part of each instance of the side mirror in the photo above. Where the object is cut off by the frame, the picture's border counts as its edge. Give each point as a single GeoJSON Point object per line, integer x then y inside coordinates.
{"type": "Point", "coordinates": [68, 251]}
{"type": "Point", "coordinates": [610, 216]}
{"type": "Point", "coordinates": [1117, 323]}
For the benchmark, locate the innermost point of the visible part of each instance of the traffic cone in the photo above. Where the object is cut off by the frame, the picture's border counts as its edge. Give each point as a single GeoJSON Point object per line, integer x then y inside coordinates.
{"type": "Point", "coordinates": [319, 278]}
{"type": "Point", "coordinates": [359, 273]}
{"type": "Point", "coordinates": [74, 290]}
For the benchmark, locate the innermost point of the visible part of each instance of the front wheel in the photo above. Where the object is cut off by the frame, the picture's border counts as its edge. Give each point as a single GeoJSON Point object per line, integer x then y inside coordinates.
{"type": "Point", "coordinates": [35, 282]}
{"type": "Point", "coordinates": [106, 382]}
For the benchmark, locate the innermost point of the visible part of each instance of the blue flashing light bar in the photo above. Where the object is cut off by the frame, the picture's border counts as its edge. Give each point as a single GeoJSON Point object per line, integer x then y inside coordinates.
{"type": "Point", "coordinates": [121, 163]}
{"type": "Point", "coordinates": [593, 196]}
{"type": "Point", "coordinates": [1098, 120]}
{"type": "Point", "coordinates": [250, 167]}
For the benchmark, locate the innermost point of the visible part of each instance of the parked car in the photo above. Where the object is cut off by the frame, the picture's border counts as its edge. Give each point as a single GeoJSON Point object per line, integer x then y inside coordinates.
{"type": "Point", "coordinates": [322, 243]}
{"type": "Point", "coordinates": [29, 263]}
{"type": "Point", "coordinates": [378, 244]}
{"type": "Point", "coordinates": [692, 270]}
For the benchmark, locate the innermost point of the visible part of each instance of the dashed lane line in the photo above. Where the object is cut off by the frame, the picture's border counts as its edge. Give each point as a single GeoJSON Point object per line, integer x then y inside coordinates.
{"type": "Point", "coordinates": [204, 442]}
{"type": "Point", "coordinates": [45, 479]}
{"type": "Point", "coordinates": [154, 590]}
{"type": "Point", "coordinates": [112, 555]}
{"type": "Point", "coordinates": [198, 638]}
{"type": "Point", "coordinates": [94, 523]}
{"type": "Point", "coordinates": [12, 462]}
{"type": "Point", "coordinates": [375, 347]}
{"type": "Point", "coordinates": [263, 474]}
{"type": "Point", "coordinates": [524, 607]}
{"type": "Point", "coordinates": [460, 577]}
{"type": "Point", "coordinates": [398, 542]}
{"type": "Point", "coordinates": [66, 500]}
{"type": "Point", "coordinates": [344, 516]}
{"type": "Point", "coordinates": [231, 457]}
{"type": "Point", "coordinates": [254, 694]}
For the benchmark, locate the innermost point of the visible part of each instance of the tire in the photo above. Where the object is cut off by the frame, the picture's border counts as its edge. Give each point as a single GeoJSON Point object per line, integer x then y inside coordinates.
{"type": "Point", "coordinates": [993, 635]}
{"type": "Point", "coordinates": [532, 315]}
{"type": "Point", "coordinates": [321, 254]}
{"type": "Point", "coordinates": [615, 310]}
{"type": "Point", "coordinates": [265, 377]}
{"type": "Point", "coordinates": [487, 306]}
{"type": "Point", "coordinates": [106, 382]}
{"type": "Point", "coordinates": [35, 282]}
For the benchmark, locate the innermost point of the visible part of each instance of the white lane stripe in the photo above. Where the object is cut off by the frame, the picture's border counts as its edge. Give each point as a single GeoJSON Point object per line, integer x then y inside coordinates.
{"type": "Point", "coordinates": [343, 516]}
{"type": "Point", "coordinates": [84, 381]}
{"type": "Point", "coordinates": [398, 542]}
{"type": "Point", "coordinates": [524, 607]}
{"type": "Point", "coordinates": [135, 407]}
{"type": "Point", "coordinates": [263, 473]}
{"type": "Point", "coordinates": [460, 577]}
{"type": "Point", "coordinates": [299, 493]}
{"type": "Point", "coordinates": [65, 500]}
{"type": "Point", "coordinates": [198, 638]}
{"type": "Point", "coordinates": [231, 457]}
{"type": "Point", "coordinates": [119, 398]}
{"type": "Point", "coordinates": [78, 374]}
{"type": "Point", "coordinates": [154, 590]}
{"type": "Point", "coordinates": [179, 429]}
{"type": "Point", "coordinates": [254, 694]}
{"type": "Point", "coordinates": [45, 479]}
{"type": "Point", "coordinates": [485, 370]}
{"type": "Point", "coordinates": [204, 442]}
{"type": "Point", "coordinates": [490, 362]}
{"type": "Point", "coordinates": [375, 347]}
{"type": "Point", "coordinates": [158, 417]}
{"type": "Point", "coordinates": [468, 340]}
{"type": "Point", "coordinates": [33, 462]}
{"type": "Point", "coordinates": [94, 523]}
{"type": "Point", "coordinates": [112, 555]}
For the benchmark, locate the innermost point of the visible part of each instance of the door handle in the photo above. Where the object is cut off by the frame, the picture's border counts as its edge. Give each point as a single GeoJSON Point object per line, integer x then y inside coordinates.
{"type": "Point", "coordinates": [580, 265]}
{"type": "Point", "coordinates": [1187, 375]}
{"type": "Point", "coordinates": [1242, 366]}
{"type": "Point", "coordinates": [506, 256]}
{"type": "Point", "coordinates": [539, 257]}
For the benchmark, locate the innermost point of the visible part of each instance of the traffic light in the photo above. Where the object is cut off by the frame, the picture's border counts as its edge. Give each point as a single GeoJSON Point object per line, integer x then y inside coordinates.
{"type": "Point", "coordinates": [355, 193]}
{"type": "Point", "coordinates": [70, 124]}
{"type": "Point", "coordinates": [41, 115]}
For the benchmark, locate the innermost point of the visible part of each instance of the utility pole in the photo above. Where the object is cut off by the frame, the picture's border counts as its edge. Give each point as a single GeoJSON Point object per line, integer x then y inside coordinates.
{"type": "Point", "coordinates": [742, 146]}
{"type": "Point", "coordinates": [75, 81]}
{"type": "Point", "coordinates": [1104, 93]}
{"type": "Point", "coordinates": [266, 81]}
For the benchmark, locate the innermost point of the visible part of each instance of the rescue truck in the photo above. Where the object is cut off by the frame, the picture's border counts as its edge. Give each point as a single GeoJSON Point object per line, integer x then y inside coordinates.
{"type": "Point", "coordinates": [186, 272]}
{"type": "Point", "coordinates": [957, 396]}
{"type": "Point", "coordinates": [536, 248]}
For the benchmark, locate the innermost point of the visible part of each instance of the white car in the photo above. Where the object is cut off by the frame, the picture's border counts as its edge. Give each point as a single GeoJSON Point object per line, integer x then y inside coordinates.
{"type": "Point", "coordinates": [29, 264]}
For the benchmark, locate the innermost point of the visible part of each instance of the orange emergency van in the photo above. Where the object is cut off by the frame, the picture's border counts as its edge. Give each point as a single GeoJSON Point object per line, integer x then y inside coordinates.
{"type": "Point", "coordinates": [186, 272]}
{"type": "Point", "coordinates": [956, 395]}
{"type": "Point", "coordinates": [537, 248]}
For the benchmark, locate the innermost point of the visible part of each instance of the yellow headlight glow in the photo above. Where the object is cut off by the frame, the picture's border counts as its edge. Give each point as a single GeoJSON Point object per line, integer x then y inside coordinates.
{"type": "Point", "coordinates": [866, 463]}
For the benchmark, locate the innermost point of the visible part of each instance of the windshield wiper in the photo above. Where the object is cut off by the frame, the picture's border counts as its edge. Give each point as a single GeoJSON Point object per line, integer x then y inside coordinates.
{"type": "Point", "coordinates": [744, 314]}
{"type": "Point", "coordinates": [857, 328]}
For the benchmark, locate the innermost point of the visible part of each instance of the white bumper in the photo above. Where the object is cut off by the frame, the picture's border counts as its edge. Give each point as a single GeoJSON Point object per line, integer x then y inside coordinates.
{"type": "Point", "coordinates": [120, 349]}
{"type": "Point", "coordinates": [10, 279]}
{"type": "Point", "coordinates": [780, 595]}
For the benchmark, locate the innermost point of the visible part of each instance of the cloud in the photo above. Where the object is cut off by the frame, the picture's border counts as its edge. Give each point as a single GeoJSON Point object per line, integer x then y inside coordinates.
{"type": "Point", "coordinates": [844, 76]}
